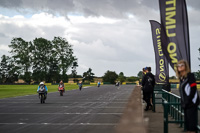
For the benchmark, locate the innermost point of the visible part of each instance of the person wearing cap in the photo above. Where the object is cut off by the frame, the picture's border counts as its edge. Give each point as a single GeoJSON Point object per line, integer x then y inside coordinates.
{"type": "Point", "coordinates": [43, 85]}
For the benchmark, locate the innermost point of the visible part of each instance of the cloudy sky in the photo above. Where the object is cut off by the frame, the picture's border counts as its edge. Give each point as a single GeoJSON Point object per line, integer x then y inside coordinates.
{"type": "Point", "coordinates": [106, 34]}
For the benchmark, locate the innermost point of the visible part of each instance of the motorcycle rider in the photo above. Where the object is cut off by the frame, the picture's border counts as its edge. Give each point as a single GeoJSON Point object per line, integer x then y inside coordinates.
{"type": "Point", "coordinates": [42, 85]}
{"type": "Point", "coordinates": [117, 83]}
{"type": "Point", "coordinates": [80, 84]}
{"type": "Point", "coordinates": [99, 83]}
{"type": "Point", "coordinates": [61, 84]}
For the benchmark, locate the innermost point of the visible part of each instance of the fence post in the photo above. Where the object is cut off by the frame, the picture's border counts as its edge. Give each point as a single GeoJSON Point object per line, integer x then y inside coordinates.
{"type": "Point", "coordinates": [165, 116]}
{"type": "Point", "coordinates": [197, 120]}
{"type": "Point", "coordinates": [153, 100]}
{"type": "Point", "coordinates": [184, 121]}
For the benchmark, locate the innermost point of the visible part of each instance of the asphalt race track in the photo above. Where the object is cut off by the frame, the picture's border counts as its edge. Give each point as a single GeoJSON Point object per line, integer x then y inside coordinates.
{"type": "Point", "coordinates": [92, 110]}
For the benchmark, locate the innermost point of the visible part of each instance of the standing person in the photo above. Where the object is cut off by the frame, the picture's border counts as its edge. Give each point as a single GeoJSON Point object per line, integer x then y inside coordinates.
{"type": "Point", "coordinates": [151, 96]}
{"type": "Point", "coordinates": [143, 73]}
{"type": "Point", "coordinates": [148, 83]}
{"type": "Point", "coordinates": [189, 95]}
{"type": "Point", "coordinates": [99, 83]}
{"type": "Point", "coordinates": [80, 85]}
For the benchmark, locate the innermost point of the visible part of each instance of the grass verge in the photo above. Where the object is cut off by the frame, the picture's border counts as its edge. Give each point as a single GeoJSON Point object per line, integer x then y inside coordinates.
{"type": "Point", "coordinates": [22, 90]}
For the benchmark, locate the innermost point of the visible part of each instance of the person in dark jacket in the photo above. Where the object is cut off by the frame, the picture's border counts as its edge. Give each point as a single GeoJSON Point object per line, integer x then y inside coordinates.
{"type": "Point", "coordinates": [148, 83]}
{"type": "Point", "coordinates": [143, 73]}
{"type": "Point", "coordinates": [189, 95]}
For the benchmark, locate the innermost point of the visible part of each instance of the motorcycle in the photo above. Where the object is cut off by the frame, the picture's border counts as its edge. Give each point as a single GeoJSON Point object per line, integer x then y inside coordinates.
{"type": "Point", "coordinates": [98, 84]}
{"type": "Point", "coordinates": [61, 90]}
{"type": "Point", "coordinates": [117, 84]}
{"type": "Point", "coordinates": [42, 95]}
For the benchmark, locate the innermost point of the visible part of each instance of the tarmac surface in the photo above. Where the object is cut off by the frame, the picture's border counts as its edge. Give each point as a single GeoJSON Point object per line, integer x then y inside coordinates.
{"type": "Point", "coordinates": [92, 110]}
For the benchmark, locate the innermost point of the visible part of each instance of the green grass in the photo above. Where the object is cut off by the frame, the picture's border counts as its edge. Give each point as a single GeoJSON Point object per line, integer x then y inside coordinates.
{"type": "Point", "coordinates": [21, 90]}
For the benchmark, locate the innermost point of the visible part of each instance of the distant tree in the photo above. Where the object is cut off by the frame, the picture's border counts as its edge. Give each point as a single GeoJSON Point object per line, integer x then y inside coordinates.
{"type": "Point", "coordinates": [54, 71]}
{"type": "Point", "coordinates": [26, 77]}
{"type": "Point", "coordinates": [121, 77]}
{"type": "Point", "coordinates": [199, 58]}
{"type": "Point", "coordinates": [4, 68]}
{"type": "Point", "coordinates": [89, 75]}
{"type": "Point", "coordinates": [140, 74]}
{"type": "Point", "coordinates": [21, 53]}
{"type": "Point", "coordinates": [110, 76]}
{"type": "Point", "coordinates": [132, 79]}
{"type": "Point", "coordinates": [8, 71]}
{"type": "Point", "coordinates": [79, 76]}
{"type": "Point", "coordinates": [197, 75]}
{"type": "Point", "coordinates": [74, 72]}
{"type": "Point", "coordinates": [41, 58]}
{"type": "Point", "coordinates": [64, 54]}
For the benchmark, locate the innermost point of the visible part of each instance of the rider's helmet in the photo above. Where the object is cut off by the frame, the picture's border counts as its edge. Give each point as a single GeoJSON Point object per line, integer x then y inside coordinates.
{"type": "Point", "coordinates": [41, 83]}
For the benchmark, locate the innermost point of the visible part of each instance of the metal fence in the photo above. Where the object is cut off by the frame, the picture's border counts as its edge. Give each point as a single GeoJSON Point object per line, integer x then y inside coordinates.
{"type": "Point", "coordinates": [172, 106]}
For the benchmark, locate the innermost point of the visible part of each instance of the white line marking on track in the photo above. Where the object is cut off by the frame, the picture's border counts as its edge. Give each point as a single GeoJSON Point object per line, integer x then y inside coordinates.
{"type": "Point", "coordinates": [94, 107]}
{"type": "Point", "coordinates": [60, 113]}
{"type": "Point", "coordinates": [65, 124]}
{"type": "Point", "coordinates": [68, 102]}
{"type": "Point", "coordinates": [88, 107]}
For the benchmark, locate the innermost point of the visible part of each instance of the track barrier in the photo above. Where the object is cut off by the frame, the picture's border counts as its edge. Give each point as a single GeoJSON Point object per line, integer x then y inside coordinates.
{"type": "Point", "coordinates": [171, 106]}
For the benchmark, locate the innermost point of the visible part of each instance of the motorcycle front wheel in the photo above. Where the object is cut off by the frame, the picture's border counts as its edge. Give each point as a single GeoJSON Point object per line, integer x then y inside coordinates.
{"type": "Point", "coordinates": [61, 93]}
{"type": "Point", "coordinates": [41, 98]}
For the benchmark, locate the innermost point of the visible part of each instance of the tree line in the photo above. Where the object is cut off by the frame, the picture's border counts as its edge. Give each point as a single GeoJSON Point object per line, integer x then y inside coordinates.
{"type": "Point", "coordinates": [38, 60]}
{"type": "Point", "coordinates": [47, 60]}
{"type": "Point", "coordinates": [109, 77]}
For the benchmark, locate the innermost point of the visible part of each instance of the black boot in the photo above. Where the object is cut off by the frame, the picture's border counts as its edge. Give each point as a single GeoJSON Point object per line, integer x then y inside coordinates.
{"type": "Point", "coordinates": [147, 108]}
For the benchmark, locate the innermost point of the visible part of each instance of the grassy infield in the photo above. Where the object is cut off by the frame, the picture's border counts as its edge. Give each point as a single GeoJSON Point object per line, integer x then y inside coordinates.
{"type": "Point", "coordinates": [21, 90]}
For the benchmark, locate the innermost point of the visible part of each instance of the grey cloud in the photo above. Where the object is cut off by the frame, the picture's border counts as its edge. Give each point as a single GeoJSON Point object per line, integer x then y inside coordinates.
{"type": "Point", "coordinates": [108, 8]}
{"type": "Point", "coordinates": [2, 35]}
{"type": "Point", "coordinates": [193, 17]}
{"type": "Point", "coordinates": [151, 3]}
{"type": "Point", "coordinates": [126, 41]}
{"type": "Point", "coordinates": [28, 32]}
{"type": "Point", "coordinates": [11, 3]}
{"type": "Point", "coordinates": [193, 3]}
